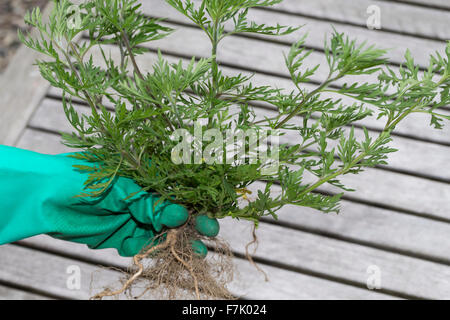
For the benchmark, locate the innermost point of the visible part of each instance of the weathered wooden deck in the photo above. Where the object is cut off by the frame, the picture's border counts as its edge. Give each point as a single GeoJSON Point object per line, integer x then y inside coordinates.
{"type": "Point", "coordinates": [398, 220]}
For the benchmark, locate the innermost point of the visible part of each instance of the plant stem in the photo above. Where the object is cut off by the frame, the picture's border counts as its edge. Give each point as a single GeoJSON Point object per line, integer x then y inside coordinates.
{"type": "Point", "coordinates": [215, 70]}
{"type": "Point", "coordinates": [307, 97]}
{"type": "Point", "coordinates": [136, 68]}
{"type": "Point", "coordinates": [139, 73]}
{"type": "Point", "coordinates": [88, 97]}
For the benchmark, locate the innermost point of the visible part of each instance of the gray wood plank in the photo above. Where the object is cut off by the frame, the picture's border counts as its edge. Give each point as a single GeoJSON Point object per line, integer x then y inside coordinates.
{"type": "Point", "coordinates": [395, 190]}
{"type": "Point", "coordinates": [248, 283]}
{"type": "Point", "coordinates": [308, 252]}
{"type": "Point", "coordinates": [340, 259]}
{"type": "Point", "coordinates": [7, 293]}
{"type": "Point", "coordinates": [317, 30]}
{"type": "Point", "coordinates": [377, 227]}
{"type": "Point", "coordinates": [438, 3]}
{"type": "Point", "coordinates": [42, 142]}
{"type": "Point", "coordinates": [395, 16]}
{"type": "Point", "coordinates": [43, 271]}
{"type": "Point", "coordinates": [21, 90]}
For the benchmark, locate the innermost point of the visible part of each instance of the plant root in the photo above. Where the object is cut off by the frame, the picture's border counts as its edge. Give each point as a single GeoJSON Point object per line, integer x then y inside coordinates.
{"type": "Point", "coordinates": [172, 270]}
{"type": "Point", "coordinates": [250, 258]}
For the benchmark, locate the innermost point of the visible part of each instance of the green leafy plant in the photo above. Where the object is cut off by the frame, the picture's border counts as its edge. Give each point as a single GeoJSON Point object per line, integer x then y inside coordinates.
{"type": "Point", "coordinates": [136, 140]}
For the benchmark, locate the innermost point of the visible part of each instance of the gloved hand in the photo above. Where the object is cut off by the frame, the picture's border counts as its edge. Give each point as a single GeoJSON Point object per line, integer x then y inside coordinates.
{"type": "Point", "coordinates": [37, 197]}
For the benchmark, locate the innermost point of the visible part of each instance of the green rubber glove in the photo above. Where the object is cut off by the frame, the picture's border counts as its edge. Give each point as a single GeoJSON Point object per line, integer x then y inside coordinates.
{"type": "Point", "coordinates": [37, 197]}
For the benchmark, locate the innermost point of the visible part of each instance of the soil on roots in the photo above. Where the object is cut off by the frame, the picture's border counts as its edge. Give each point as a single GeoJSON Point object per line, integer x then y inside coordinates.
{"type": "Point", "coordinates": [172, 270]}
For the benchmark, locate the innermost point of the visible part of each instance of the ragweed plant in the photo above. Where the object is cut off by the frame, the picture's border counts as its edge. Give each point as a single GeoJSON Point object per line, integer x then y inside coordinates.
{"type": "Point", "coordinates": [137, 139]}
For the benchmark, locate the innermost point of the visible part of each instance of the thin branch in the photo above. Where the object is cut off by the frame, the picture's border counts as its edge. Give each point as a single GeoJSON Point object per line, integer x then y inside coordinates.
{"type": "Point", "coordinates": [307, 97]}
{"type": "Point", "coordinates": [139, 73]}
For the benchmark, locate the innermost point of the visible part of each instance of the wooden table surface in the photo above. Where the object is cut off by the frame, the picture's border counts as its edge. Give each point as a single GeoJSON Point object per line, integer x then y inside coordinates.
{"type": "Point", "coordinates": [396, 222]}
